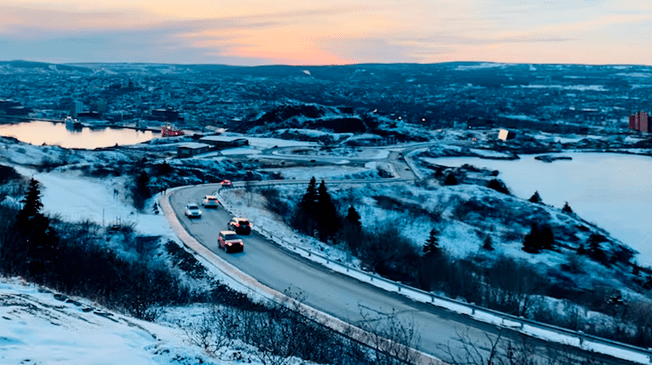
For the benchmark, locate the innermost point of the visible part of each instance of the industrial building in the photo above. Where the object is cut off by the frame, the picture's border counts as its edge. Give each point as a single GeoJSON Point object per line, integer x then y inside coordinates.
{"type": "Point", "coordinates": [639, 122]}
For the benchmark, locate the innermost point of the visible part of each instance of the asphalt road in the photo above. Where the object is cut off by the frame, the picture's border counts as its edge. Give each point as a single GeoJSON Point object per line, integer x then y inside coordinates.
{"type": "Point", "coordinates": [334, 293]}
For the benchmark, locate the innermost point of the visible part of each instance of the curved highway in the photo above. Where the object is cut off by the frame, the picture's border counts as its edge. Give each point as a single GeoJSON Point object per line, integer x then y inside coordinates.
{"type": "Point", "coordinates": [335, 294]}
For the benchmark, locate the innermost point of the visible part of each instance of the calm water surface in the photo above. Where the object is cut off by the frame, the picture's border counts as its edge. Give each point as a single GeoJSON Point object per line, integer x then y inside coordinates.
{"type": "Point", "coordinates": [49, 133]}
{"type": "Point", "coordinates": [609, 189]}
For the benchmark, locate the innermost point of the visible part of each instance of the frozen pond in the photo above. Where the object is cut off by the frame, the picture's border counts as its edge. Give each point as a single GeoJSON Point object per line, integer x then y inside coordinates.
{"type": "Point", "coordinates": [37, 133]}
{"type": "Point", "coordinates": [611, 190]}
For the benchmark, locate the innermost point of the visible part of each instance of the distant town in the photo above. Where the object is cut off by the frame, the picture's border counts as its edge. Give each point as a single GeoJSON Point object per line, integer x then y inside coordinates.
{"type": "Point", "coordinates": [553, 98]}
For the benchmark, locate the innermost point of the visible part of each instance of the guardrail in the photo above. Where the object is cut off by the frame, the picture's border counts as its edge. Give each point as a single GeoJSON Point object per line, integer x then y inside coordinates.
{"type": "Point", "coordinates": [370, 340]}
{"type": "Point", "coordinates": [528, 327]}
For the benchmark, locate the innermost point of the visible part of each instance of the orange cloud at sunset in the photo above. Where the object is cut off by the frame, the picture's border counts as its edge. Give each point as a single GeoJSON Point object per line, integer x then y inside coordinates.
{"type": "Point", "coordinates": [325, 32]}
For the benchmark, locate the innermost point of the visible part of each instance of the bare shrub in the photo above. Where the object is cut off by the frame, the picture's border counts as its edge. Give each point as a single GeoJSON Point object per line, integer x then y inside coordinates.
{"type": "Point", "coordinates": [436, 213]}
{"type": "Point", "coordinates": [390, 254]}
{"type": "Point", "coordinates": [500, 350]}
{"type": "Point", "coordinates": [473, 208]}
{"type": "Point", "coordinates": [208, 333]}
{"type": "Point", "coordinates": [390, 337]}
{"type": "Point", "coordinates": [512, 286]}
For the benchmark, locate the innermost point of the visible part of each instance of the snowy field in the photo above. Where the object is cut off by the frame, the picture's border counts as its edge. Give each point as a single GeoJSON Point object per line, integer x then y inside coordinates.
{"type": "Point", "coordinates": [76, 198]}
{"type": "Point", "coordinates": [38, 328]}
{"type": "Point", "coordinates": [611, 190]}
{"type": "Point", "coordinates": [458, 238]}
{"type": "Point", "coordinates": [325, 172]}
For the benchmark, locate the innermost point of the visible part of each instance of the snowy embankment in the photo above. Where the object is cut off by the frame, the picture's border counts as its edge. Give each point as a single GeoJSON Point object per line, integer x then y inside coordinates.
{"type": "Point", "coordinates": [41, 327]}
{"type": "Point", "coordinates": [460, 240]}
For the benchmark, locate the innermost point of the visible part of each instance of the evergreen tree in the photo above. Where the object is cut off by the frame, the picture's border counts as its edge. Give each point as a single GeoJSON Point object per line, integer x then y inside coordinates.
{"type": "Point", "coordinates": [547, 237]}
{"type": "Point", "coordinates": [31, 204]}
{"type": "Point", "coordinates": [595, 252]}
{"type": "Point", "coordinates": [499, 186]}
{"type": "Point", "coordinates": [13, 250]}
{"type": "Point", "coordinates": [353, 218]}
{"type": "Point", "coordinates": [309, 200]}
{"type": "Point", "coordinates": [567, 209]}
{"type": "Point", "coordinates": [305, 213]}
{"type": "Point", "coordinates": [539, 238]}
{"type": "Point", "coordinates": [488, 243]}
{"type": "Point", "coordinates": [351, 230]}
{"type": "Point", "coordinates": [431, 247]}
{"type": "Point", "coordinates": [41, 241]}
{"type": "Point", "coordinates": [141, 191]}
{"type": "Point", "coordinates": [450, 179]}
{"type": "Point", "coordinates": [536, 198]}
{"type": "Point", "coordinates": [433, 263]}
{"type": "Point", "coordinates": [531, 242]}
{"type": "Point", "coordinates": [328, 220]}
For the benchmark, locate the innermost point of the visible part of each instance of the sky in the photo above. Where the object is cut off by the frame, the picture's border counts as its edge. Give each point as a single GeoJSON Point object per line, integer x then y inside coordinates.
{"type": "Point", "coordinates": [327, 32]}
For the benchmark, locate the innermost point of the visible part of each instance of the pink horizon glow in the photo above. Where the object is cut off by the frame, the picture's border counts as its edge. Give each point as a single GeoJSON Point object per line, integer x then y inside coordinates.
{"type": "Point", "coordinates": [255, 32]}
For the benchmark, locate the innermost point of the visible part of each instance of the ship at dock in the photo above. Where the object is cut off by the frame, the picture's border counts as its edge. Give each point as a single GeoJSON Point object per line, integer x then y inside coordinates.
{"type": "Point", "coordinates": [72, 123]}
{"type": "Point", "coordinates": [168, 130]}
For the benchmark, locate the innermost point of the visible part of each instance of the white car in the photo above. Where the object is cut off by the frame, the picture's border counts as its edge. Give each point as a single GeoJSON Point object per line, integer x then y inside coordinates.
{"type": "Point", "coordinates": [193, 211]}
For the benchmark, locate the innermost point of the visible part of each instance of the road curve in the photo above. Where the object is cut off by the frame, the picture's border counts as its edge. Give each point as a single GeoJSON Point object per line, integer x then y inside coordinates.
{"type": "Point", "coordinates": [332, 293]}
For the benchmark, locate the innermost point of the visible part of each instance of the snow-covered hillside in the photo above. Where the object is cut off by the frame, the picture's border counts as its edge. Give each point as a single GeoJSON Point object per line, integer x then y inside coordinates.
{"type": "Point", "coordinates": [461, 233]}
{"type": "Point", "coordinates": [38, 326]}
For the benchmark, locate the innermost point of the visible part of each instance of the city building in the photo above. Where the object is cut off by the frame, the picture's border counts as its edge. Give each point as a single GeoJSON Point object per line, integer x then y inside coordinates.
{"type": "Point", "coordinates": [504, 134]}
{"type": "Point", "coordinates": [165, 115]}
{"type": "Point", "coordinates": [77, 107]}
{"type": "Point", "coordinates": [224, 141]}
{"type": "Point", "coordinates": [7, 105]}
{"type": "Point", "coordinates": [639, 121]}
{"type": "Point", "coordinates": [189, 149]}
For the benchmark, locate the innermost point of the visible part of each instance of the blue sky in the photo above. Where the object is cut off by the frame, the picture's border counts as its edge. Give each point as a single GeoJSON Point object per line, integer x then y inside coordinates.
{"type": "Point", "coordinates": [255, 32]}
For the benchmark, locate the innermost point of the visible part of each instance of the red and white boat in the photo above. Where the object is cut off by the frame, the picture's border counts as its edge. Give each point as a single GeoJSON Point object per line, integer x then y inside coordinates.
{"type": "Point", "coordinates": [168, 130]}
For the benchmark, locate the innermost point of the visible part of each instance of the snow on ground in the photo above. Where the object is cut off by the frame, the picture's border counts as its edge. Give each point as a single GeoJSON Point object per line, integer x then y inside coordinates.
{"type": "Point", "coordinates": [38, 328]}
{"type": "Point", "coordinates": [350, 153]}
{"type": "Point", "coordinates": [484, 65]}
{"type": "Point", "coordinates": [264, 142]}
{"type": "Point", "coordinates": [489, 153]}
{"type": "Point", "coordinates": [567, 87]}
{"type": "Point", "coordinates": [88, 197]}
{"type": "Point", "coordinates": [26, 154]}
{"type": "Point", "coordinates": [240, 151]}
{"type": "Point", "coordinates": [609, 189]}
{"type": "Point", "coordinates": [571, 138]}
{"type": "Point", "coordinates": [238, 203]}
{"type": "Point", "coordinates": [324, 172]}
{"type": "Point", "coordinates": [69, 333]}
{"type": "Point", "coordinates": [315, 133]}
{"type": "Point", "coordinates": [519, 117]}
{"type": "Point", "coordinates": [76, 198]}
{"type": "Point", "coordinates": [457, 238]}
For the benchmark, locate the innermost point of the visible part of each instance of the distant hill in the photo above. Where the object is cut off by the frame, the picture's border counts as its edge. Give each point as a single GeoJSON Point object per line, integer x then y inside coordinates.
{"type": "Point", "coordinates": [19, 64]}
